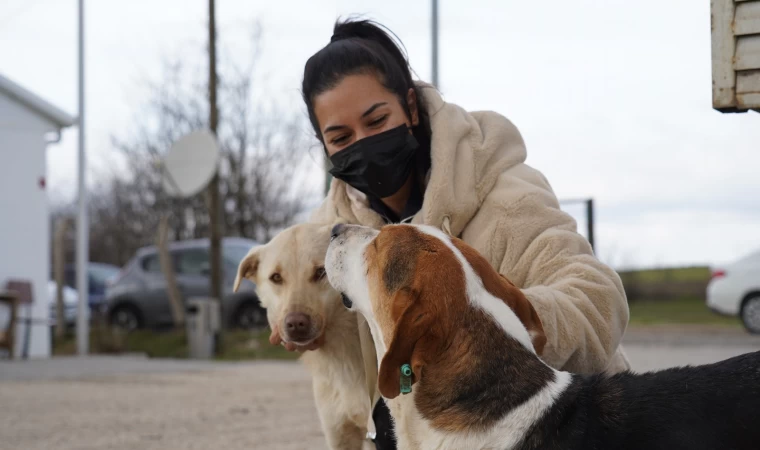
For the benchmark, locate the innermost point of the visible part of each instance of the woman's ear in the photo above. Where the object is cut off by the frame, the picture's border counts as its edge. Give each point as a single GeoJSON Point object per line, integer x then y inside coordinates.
{"type": "Point", "coordinates": [411, 103]}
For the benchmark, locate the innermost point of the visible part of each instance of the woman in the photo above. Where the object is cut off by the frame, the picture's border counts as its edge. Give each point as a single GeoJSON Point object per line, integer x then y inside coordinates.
{"type": "Point", "coordinates": [401, 153]}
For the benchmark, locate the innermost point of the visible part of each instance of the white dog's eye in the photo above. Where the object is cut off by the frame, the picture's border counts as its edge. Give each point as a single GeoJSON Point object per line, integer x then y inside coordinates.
{"type": "Point", "coordinates": [346, 301]}
{"type": "Point", "coordinates": [276, 278]}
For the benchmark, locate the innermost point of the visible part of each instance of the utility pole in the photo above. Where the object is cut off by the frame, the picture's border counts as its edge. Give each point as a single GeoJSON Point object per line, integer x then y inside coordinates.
{"type": "Point", "coordinates": [328, 177]}
{"type": "Point", "coordinates": [590, 221]}
{"type": "Point", "coordinates": [589, 202]}
{"type": "Point", "coordinates": [435, 43]}
{"type": "Point", "coordinates": [83, 328]}
{"type": "Point", "coordinates": [215, 222]}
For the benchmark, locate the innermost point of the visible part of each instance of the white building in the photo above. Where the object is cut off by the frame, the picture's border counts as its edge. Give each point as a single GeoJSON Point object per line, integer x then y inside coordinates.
{"type": "Point", "coordinates": [27, 125]}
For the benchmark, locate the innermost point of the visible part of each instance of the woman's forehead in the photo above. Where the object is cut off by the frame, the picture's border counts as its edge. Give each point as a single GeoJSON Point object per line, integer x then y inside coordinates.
{"type": "Point", "coordinates": [349, 99]}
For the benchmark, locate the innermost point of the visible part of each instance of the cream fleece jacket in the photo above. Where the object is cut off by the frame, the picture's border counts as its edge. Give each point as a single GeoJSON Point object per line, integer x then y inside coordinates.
{"type": "Point", "coordinates": [480, 189]}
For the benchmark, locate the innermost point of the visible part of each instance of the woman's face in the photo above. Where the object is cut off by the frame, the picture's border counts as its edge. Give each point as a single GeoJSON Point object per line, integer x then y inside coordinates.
{"type": "Point", "coordinates": [359, 106]}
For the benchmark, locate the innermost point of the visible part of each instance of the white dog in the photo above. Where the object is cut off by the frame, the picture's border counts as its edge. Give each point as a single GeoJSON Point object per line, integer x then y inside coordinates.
{"type": "Point", "coordinates": [305, 313]}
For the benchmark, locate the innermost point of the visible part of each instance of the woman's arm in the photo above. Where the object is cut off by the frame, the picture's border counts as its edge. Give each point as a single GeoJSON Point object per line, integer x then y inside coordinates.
{"type": "Point", "coordinates": [580, 301]}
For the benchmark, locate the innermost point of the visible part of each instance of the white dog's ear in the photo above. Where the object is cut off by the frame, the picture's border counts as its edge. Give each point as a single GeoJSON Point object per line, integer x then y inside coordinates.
{"type": "Point", "coordinates": [248, 267]}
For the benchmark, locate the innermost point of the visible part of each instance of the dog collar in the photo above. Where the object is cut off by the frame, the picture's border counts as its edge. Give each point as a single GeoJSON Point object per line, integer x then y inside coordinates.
{"type": "Point", "coordinates": [406, 379]}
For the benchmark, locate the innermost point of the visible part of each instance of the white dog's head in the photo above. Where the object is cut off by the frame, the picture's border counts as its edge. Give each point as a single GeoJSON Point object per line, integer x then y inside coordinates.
{"type": "Point", "coordinates": [419, 291]}
{"type": "Point", "coordinates": [290, 280]}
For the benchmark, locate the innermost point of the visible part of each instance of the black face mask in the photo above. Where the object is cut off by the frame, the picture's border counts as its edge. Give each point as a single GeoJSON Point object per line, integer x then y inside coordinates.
{"type": "Point", "coordinates": [379, 164]}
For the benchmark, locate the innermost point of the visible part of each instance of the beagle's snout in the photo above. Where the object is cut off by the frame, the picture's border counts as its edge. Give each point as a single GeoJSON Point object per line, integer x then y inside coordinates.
{"type": "Point", "coordinates": [337, 230]}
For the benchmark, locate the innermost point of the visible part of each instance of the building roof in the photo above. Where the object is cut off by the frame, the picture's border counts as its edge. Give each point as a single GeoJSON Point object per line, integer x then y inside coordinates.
{"type": "Point", "coordinates": [32, 101]}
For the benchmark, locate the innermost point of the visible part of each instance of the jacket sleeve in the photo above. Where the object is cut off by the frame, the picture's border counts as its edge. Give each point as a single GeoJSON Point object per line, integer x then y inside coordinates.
{"type": "Point", "coordinates": [580, 301]}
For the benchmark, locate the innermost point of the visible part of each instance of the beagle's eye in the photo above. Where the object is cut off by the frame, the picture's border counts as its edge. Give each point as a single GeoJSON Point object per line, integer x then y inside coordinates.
{"type": "Point", "coordinates": [275, 278]}
{"type": "Point", "coordinates": [319, 273]}
{"type": "Point", "coordinates": [346, 301]}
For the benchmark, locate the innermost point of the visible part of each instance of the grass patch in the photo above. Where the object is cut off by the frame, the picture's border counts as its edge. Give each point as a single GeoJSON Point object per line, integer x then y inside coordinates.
{"type": "Point", "coordinates": [687, 310]}
{"type": "Point", "coordinates": [237, 345]}
{"type": "Point", "coordinates": [695, 274]}
{"type": "Point", "coordinates": [246, 345]}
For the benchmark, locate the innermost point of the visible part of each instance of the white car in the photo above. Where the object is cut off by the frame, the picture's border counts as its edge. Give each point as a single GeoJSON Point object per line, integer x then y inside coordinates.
{"type": "Point", "coordinates": [70, 301]}
{"type": "Point", "coordinates": [734, 290]}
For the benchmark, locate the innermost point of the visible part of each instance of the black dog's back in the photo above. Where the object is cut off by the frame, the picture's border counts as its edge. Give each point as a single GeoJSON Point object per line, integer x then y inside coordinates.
{"type": "Point", "coordinates": [714, 406]}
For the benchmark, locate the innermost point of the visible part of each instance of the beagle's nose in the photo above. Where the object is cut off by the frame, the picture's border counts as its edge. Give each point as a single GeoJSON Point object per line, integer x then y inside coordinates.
{"type": "Point", "coordinates": [298, 324]}
{"type": "Point", "coordinates": [337, 230]}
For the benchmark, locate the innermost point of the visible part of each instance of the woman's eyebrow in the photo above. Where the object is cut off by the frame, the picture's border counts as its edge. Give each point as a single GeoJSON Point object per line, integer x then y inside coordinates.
{"type": "Point", "coordinates": [366, 113]}
{"type": "Point", "coordinates": [333, 128]}
{"type": "Point", "coordinates": [373, 108]}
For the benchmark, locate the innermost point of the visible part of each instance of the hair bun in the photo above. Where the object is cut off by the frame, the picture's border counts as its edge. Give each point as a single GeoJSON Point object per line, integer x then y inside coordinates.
{"type": "Point", "coordinates": [365, 29]}
{"type": "Point", "coordinates": [338, 36]}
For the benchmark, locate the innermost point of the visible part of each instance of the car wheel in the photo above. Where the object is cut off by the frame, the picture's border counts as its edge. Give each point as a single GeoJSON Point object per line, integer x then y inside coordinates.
{"type": "Point", "coordinates": [250, 316]}
{"type": "Point", "coordinates": [126, 318]}
{"type": "Point", "coordinates": [751, 314]}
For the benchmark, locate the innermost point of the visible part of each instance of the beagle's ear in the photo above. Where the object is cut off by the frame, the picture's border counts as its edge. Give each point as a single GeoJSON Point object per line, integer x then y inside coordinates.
{"type": "Point", "coordinates": [526, 313]}
{"type": "Point", "coordinates": [410, 342]}
{"type": "Point", "coordinates": [247, 268]}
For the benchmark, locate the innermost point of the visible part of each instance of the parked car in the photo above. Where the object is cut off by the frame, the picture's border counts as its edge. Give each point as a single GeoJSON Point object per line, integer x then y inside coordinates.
{"type": "Point", "coordinates": [70, 301]}
{"type": "Point", "coordinates": [138, 297]}
{"type": "Point", "coordinates": [735, 290]}
{"type": "Point", "coordinates": [98, 277]}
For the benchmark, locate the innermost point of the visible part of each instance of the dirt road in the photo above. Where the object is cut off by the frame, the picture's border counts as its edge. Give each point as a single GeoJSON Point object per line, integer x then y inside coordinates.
{"type": "Point", "coordinates": [135, 403]}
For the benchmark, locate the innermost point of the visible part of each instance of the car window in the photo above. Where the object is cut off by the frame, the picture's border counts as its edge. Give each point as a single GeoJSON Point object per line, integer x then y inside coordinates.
{"type": "Point", "coordinates": [151, 264]}
{"type": "Point", "coordinates": [233, 254]}
{"type": "Point", "coordinates": [101, 274]}
{"type": "Point", "coordinates": [193, 261]}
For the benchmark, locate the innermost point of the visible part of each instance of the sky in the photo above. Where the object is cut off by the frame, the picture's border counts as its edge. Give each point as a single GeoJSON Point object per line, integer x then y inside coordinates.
{"type": "Point", "coordinates": [612, 97]}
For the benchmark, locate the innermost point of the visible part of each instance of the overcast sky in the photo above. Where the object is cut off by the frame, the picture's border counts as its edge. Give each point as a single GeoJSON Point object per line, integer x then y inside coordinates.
{"type": "Point", "coordinates": [613, 97]}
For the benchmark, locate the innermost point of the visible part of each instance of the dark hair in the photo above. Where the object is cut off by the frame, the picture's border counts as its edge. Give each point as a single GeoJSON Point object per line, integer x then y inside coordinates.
{"type": "Point", "coordinates": [361, 46]}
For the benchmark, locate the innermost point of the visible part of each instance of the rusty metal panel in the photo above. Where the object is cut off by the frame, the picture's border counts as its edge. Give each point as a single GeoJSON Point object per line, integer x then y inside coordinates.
{"type": "Point", "coordinates": [747, 18]}
{"type": "Point", "coordinates": [747, 53]}
{"type": "Point", "coordinates": [735, 54]}
{"type": "Point", "coordinates": [723, 46]}
{"type": "Point", "coordinates": [748, 89]}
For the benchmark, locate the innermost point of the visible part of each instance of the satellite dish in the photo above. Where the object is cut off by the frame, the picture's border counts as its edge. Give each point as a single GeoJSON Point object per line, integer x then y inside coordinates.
{"type": "Point", "coordinates": [190, 163]}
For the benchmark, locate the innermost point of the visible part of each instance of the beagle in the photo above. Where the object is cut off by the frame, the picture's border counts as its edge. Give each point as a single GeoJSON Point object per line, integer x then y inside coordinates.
{"type": "Point", "coordinates": [463, 344]}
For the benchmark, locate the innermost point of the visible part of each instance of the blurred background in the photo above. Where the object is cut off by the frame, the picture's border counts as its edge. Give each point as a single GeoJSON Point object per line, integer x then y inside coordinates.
{"type": "Point", "coordinates": [614, 99]}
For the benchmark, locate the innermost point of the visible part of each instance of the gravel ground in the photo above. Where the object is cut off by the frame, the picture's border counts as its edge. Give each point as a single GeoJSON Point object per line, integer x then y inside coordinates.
{"type": "Point", "coordinates": [136, 403]}
{"type": "Point", "coordinates": [244, 406]}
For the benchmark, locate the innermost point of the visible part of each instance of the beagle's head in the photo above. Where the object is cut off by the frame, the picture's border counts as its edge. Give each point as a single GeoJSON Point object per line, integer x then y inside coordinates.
{"type": "Point", "coordinates": [414, 285]}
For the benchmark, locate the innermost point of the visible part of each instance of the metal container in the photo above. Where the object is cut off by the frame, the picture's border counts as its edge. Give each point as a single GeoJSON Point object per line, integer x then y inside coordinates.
{"type": "Point", "coordinates": [202, 325]}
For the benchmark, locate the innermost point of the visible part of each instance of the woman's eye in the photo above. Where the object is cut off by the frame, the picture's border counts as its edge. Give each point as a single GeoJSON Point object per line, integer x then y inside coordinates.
{"type": "Point", "coordinates": [377, 122]}
{"type": "Point", "coordinates": [339, 140]}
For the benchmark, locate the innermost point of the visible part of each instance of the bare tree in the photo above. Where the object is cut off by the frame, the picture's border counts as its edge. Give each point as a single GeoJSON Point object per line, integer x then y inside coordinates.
{"type": "Point", "coordinates": [264, 183]}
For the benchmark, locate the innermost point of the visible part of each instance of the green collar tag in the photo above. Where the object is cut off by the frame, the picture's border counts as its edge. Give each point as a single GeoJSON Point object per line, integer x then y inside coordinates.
{"type": "Point", "coordinates": [406, 379]}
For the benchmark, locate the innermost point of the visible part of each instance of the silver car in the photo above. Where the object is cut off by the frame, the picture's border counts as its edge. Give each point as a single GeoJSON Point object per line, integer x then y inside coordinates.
{"type": "Point", "coordinates": [138, 298]}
